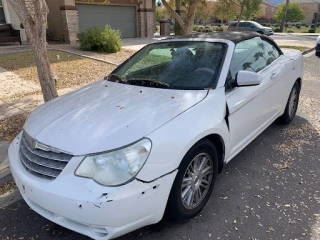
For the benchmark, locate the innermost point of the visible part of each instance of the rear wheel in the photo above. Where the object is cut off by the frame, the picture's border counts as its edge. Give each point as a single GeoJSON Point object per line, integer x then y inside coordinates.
{"type": "Point", "coordinates": [194, 182]}
{"type": "Point", "coordinates": [292, 105]}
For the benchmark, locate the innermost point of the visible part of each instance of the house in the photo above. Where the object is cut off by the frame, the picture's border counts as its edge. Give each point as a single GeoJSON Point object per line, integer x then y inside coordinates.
{"type": "Point", "coordinates": [311, 8]}
{"type": "Point", "coordinates": [8, 15]}
{"type": "Point", "coordinates": [267, 11]}
{"type": "Point", "coordinates": [134, 18]}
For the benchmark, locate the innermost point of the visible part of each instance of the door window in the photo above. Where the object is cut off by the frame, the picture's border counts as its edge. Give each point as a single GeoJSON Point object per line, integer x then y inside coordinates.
{"type": "Point", "coordinates": [249, 55]}
{"type": "Point", "coordinates": [271, 53]}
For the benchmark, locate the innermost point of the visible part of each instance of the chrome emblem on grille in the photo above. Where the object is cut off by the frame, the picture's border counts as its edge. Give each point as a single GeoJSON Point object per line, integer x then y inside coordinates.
{"type": "Point", "coordinates": [34, 144]}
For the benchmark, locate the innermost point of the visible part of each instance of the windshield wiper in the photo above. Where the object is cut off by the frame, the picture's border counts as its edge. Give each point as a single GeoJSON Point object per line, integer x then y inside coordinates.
{"type": "Point", "coordinates": [115, 78]}
{"type": "Point", "coordinates": [137, 81]}
{"type": "Point", "coordinates": [147, 82]}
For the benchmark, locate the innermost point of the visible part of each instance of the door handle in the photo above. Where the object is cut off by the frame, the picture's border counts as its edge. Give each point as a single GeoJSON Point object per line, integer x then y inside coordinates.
{"type": "Point", "coordinates": [274, 75]}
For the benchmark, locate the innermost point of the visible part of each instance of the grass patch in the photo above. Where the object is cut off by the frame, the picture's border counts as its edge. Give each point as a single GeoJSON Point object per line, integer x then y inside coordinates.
{"type": "Point", "coordinates": [71, 70]}
{"type": "Point", "coordinates": [302, 29]}
{"type": "Point", "coordinates": [300, 48]}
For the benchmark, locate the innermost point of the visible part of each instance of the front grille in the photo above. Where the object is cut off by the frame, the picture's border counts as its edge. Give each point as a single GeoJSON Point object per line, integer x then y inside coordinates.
{"type": "Point", "coordinates": [44, 164]}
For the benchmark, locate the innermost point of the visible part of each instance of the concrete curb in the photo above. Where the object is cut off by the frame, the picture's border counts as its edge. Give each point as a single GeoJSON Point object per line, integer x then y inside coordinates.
{"type": "Point", "coordinates": [308, 51]}
{"type": "Point", "coordinates": [81, 55]}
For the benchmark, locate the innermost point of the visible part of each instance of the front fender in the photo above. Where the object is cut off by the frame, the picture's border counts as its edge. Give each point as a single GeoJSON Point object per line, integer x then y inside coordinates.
{"type": "Point", "coordinates": [172, 141]}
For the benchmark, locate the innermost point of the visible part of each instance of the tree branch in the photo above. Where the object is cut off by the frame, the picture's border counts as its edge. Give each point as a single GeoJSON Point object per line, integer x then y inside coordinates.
{"type": "Point", "coordinates": [176, 15]}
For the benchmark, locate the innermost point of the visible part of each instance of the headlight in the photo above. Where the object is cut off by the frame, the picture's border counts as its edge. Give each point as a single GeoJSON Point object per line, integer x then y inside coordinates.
{"type": "Point", "coordinates": [116, 167]}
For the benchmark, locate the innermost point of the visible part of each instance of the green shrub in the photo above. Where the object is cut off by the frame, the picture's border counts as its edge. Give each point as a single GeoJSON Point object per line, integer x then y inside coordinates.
{"type": "Point", "coordinates": [219, 29]}
{"type": "Point", "coordinates": [195, 28]}
{"type": "Point", "coordinates": [277, 30]}
{"type": "Point", "coordinates": [219, 25]}
{"type": "Point", "coordinates": [311, 30]}
{"type": "Point", "coordinates": [290, 31]}
{"type": "Point", "coordinates": [312, 26]}
{"type": "Point", "coordinates": [263, 24]}
{"type": "Point", "coordinates": [99, 39]}
{"type": "Point", "coordinates": [298, 26]}
{"type": "Point", "coordinates": [318, 24]}
{"type": "Point", "coordinates": [276, 25]}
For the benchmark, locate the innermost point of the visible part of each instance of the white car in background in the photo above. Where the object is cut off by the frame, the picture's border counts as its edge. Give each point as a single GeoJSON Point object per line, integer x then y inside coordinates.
{"type": "Point", "coordinates": [117, 154]}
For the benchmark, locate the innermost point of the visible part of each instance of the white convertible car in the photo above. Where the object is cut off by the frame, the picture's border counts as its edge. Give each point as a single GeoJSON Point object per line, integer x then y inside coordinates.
{"type": "Point", "coordinates": [149, 139]}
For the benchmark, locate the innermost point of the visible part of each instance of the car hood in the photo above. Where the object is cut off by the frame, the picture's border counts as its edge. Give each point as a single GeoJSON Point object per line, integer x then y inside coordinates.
{"type": "Point", "coordinates": [106, 115]}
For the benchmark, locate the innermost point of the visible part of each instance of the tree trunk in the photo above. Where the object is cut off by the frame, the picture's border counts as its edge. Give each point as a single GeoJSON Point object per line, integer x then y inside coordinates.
{"type": "Point", "coordinates": [177, 28]}
{"type": "Point", "coordinates": [284, 16]}
{"type": "Point", "coordinates": [317, 18]}
{"type": "Point", "coordinates": [241, 13]}
{"type": "Point", "coordinates": [47, 84]}
{"type": "Point", "coordinates": [190, 18]}
{"type": "Point", "coordinates": [35, 24]}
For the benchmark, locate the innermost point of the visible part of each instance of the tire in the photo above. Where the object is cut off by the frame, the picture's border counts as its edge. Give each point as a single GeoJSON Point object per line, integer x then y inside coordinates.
{"type": "Point", "coordinates": [318, 53]}
{"type": "Point", "coordinates": [292, 105]}
{"type": "Point", "coordinates": [178, 208]}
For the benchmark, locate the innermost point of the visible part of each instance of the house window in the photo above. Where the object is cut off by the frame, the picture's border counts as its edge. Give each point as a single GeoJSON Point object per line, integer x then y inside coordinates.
{"type": "Point", "coordinates": [2, 18]}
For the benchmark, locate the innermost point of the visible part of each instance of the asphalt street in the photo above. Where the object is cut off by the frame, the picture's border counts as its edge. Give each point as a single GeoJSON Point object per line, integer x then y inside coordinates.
{"type": "Point", "coordinates": [271, 190]}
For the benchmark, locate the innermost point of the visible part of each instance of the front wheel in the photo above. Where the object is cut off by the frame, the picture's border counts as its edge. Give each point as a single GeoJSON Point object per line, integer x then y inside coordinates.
{"type": "Point", "coordinates": [194, 182]}
{"type": "Point", "coordinates": [292, 105]}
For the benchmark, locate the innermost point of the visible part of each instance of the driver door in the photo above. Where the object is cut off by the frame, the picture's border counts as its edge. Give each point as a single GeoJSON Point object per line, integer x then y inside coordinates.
{"type": "Point", "coordinates": [250, 107]}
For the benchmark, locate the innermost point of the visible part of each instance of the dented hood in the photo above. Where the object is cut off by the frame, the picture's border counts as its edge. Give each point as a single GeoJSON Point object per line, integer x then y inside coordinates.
{"type": "Point", "coordinates": [106, 115]}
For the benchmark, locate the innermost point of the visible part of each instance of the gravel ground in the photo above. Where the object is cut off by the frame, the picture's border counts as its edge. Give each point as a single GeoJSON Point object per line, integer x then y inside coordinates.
{"type": "Point", "coordinates": [271, 190]}
{"type": "Point", "coordinates": [69, 69]}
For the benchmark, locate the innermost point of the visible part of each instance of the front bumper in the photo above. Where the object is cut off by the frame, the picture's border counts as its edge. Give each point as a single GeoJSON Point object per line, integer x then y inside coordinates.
{"type": "Point", "coordinates": [86, 207]}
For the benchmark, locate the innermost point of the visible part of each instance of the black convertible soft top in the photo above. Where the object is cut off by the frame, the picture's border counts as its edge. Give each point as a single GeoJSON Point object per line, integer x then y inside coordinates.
{"type": "Point", "coordinates": [229, 35]}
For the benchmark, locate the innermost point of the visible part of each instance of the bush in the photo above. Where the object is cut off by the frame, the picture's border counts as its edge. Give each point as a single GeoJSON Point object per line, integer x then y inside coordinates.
{"type": "Point", "coordinates": [268, 25]}
{"type": "Point", "coordinates": [276, 25]}
{"type": "Point", "coordinates": [290, 31]}
{"type": "Point", "coordinates": [195, 28]}
{"type": "Point", "coordinates": [219, 29]}
{"type": "Point", "coordinates": [99, 39]}
{"type": "Point", "coordinates": [219, 25]}
{"type": "Point", "coordinates": [312, 26]}
{"type": "Point", "coordinates": [318, 24]}
{"type": "Point", "coordinates": [298, 26]}
{"type": "Point", "coordinates": [311, 30]}
{"type": "Point", "coordinates": [277, 30]}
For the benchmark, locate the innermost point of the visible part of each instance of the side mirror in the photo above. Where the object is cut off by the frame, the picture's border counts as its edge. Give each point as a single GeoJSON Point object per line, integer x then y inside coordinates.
{"type": "Point", "coordinates": [246, 78]}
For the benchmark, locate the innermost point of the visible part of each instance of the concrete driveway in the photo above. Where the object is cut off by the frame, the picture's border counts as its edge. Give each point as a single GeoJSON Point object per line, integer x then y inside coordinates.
{"type": "Point", "coordinates": [271, 190]}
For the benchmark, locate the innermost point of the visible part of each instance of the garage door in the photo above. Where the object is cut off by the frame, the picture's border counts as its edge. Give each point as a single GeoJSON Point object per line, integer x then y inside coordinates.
{"type": "Point", "coordinates": [122, 18]}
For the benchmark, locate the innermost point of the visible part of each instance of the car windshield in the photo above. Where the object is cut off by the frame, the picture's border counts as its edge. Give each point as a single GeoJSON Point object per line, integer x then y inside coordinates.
{"type": "Point", "coordinates": [175, 65]}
